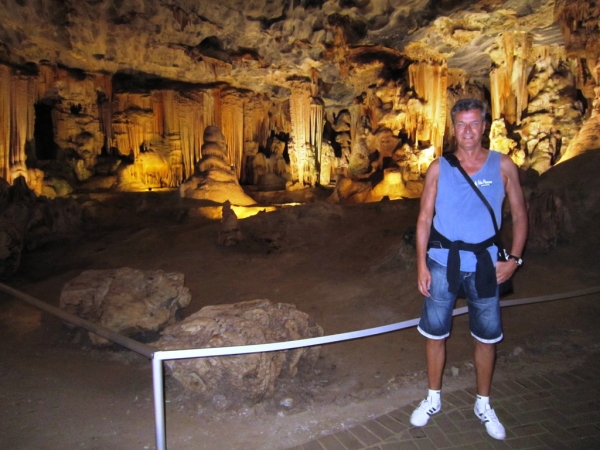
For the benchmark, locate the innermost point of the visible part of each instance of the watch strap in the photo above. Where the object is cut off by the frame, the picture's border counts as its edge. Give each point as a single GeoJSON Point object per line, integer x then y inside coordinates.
{"type": "Point", "coordinates": [516, 259]}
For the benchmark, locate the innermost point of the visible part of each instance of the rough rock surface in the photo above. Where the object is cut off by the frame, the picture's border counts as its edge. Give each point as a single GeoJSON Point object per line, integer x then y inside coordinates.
{"type": "Point", "coordinates": [223, 381]}
{"type": "Point", "coordinates": [564, 202]}
{"type": "Point", "coordinates": [229, 229]}
{"type": "Point", "coordinates": [28, 221]}
{"type": "Point", "coordinates": [128, 301]}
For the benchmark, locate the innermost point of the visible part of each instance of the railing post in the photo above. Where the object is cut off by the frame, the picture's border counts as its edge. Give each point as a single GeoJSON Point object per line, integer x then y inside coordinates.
{"type": "Point", "coordinates": [159, 402]}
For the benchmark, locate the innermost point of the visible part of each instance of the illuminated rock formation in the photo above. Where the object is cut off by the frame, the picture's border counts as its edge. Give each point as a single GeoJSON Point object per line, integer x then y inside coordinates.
{"type": "Point", "coordinates": [328, 164]}
{"type": "Point", "coordinates": [579, 23]}
{"type": "Point", "coordinates": [215, 181]}
{"type": "Point", "coordinates": [428, 122]}
{"type": "Point", "coordinates": [129, 301]}
{"type": "Point", "coordinates": [108, 82]}
{"type": "Point", "coordinates": [235, 379]}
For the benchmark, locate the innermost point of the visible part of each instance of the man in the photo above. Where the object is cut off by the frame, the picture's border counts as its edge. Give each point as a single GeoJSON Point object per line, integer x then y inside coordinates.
{"type": "Point", "coordinates": [458, 214]}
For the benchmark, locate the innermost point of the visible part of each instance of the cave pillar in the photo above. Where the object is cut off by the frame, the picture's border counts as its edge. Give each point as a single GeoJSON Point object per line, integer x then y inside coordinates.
{"type": "Point", "coordinates": [304, 151]}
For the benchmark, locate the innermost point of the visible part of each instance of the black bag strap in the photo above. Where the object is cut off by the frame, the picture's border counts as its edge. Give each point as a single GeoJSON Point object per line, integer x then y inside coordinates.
{"type": "Point", "coordinates": [454, 162]}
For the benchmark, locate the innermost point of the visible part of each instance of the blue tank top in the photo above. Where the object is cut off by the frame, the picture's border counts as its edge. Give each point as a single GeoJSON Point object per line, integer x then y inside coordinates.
{"type": "Point", "coordinates": [460, 215]}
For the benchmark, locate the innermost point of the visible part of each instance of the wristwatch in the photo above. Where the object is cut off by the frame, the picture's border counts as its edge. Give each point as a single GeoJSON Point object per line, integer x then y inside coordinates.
{"type": "Point", "coordinates": [516, 259]}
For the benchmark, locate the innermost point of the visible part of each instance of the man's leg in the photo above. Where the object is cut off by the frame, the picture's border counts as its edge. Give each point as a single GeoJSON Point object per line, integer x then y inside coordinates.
{"type": "Point", "coordinates": [485, 356]}
{"type": "Point", "coordinates": [435, 324]}
{"type": "Point", "coordinates": [435, 351]}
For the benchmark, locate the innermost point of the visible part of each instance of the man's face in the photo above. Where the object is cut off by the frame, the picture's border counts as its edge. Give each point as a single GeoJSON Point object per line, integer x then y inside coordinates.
{"type": "Point", "coordinates": [468, 129]}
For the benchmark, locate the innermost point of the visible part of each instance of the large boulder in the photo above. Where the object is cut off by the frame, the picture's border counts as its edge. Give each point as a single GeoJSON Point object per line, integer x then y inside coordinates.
{"type": "Point", "coordinates": [228, 380]}
{"type": "Point", "coordinates": [129, 301]}
{"type": "Point", "coordinates": [565, 203]}
{"type": "Point", "coordinates": [27, 222]}
{"type": "Point", "coordinates": [11, 246]}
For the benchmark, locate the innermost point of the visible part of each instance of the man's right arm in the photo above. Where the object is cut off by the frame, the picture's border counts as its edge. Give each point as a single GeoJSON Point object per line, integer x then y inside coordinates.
{"type": "Point", "coordinates": [424, 221]}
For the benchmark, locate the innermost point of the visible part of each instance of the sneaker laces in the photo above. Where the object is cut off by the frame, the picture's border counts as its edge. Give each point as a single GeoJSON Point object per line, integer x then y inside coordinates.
{"type": "Point", "coordinates": [489, 415]}
{"type": "Point", "coordinates": [426, 406]}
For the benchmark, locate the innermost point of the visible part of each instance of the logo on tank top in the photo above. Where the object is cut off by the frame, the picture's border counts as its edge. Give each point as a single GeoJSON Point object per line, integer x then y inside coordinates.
{"type": "Point", "coordinates": [483, 183]}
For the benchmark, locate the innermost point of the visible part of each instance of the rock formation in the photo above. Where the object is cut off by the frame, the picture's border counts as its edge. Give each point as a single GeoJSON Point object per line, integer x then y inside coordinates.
{"type": "Point", "coordinates": [118, 95]}
{"type": "Point", "coordinates": [215, 180]}
{"type": "Point", "coordinates": [229, 228]}
{"type": "Point", "coordinates": [28, 221]}
{"type": "Point", "coordinates": [564, 202]}
{"type": "Point", "coordinates": [139, 83]}
{"type": "Point", "coordinates": [234, 379]}
{"type": "Point", "coordinates": [128, 301]}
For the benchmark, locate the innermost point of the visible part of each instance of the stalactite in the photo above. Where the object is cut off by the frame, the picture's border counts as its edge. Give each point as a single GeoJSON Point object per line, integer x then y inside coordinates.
{"type": "Point", "coordinates": [46, 80]}
{"type": "Point", "coordinates": [5, 121]}
{"type": "Point", "coordinates": [106, 119]}
{"type": "Point", "coordinates": [581, 30]}
{"type": "Point", "coordinates": [134, 123]}
{"type": "Point", "coordinates": [22, 123]}
{"type": "Point", "coordinates": [414, 118]}
{"type": "Point", "coordinates": [169, 124]}
{"type": "Point", "coordinates": [104, 96]}
{"type": "Point", "coordinates": [356, 114]}
{"type": "Point", "coordinates": [430, 82]}
{"type": "Point", "coordinates": [574, 15]}
{"type": "Point", "coordinates": [167, 129]}
{"type": "Point", "coordinates": [280, 117]}
{"type": "Point", "coordinates": [193, 119]}
{"type": "Point", "coordinates": [257, 121]}
{"type": "Point", "coordinates": [232, 125]}
{"type": "Point", "coordinates": [508, 82]}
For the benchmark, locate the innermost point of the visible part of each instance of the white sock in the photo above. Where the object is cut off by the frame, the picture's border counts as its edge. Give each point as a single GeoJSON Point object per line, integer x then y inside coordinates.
{"type": "Point", "coordinates": [481, 402]}
{"type": "Point", "coordinates": [435, 397]}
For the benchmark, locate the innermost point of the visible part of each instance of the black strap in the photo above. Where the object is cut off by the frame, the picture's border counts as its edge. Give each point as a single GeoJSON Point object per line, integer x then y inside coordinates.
{"type": "Point", "coordinates": [454, 162]}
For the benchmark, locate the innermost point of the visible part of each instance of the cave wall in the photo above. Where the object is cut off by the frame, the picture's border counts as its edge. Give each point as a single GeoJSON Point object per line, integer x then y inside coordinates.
{"type": "Point", "coordinates": [138, 82]}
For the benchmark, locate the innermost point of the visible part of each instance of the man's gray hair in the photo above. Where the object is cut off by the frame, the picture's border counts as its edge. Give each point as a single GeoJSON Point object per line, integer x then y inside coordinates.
{"type": "Point", "coordinates": [469, 104]}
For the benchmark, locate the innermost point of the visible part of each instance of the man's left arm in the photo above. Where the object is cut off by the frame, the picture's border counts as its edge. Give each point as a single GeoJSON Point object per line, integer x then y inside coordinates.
{"type": "Point", "coordinates": [518, 211]}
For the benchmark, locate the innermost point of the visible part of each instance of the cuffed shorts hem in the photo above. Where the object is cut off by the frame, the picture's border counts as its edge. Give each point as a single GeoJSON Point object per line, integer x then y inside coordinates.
{"type": "Point", "coordinates": [488, 341]}
{"type": "Point", "coordinates": [431, 336]}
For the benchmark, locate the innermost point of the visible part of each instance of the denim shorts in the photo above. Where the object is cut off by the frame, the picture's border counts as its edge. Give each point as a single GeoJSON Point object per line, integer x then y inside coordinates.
{"type": "Point", "coordinates": [436, 319]}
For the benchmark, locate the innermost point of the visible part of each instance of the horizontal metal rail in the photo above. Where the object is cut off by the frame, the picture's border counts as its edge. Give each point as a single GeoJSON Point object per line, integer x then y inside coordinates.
{"type": "Point", "coordinates": [117, 338]}
{"type": "Point", "coordinates": [158, 356]}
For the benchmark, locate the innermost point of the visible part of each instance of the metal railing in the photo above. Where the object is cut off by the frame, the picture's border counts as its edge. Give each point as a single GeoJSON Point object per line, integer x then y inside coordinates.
{"type": "Point", "coordinates": [158, 356]}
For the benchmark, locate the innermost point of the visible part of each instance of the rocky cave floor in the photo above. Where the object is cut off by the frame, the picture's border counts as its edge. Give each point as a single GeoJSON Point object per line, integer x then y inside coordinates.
{"type": "Point", "coordinates": [340, 264]}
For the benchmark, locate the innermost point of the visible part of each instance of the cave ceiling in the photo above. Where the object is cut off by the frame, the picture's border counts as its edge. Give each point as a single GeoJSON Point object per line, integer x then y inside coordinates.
{"type": "Point", "coordinates": [265, 45]}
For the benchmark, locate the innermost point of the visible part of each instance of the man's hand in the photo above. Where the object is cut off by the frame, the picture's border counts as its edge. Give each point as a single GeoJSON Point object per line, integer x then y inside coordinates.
{"type": "Point", "coordinates": [424, 281]}
{"type": "Point", "coordinates": [505, 270]}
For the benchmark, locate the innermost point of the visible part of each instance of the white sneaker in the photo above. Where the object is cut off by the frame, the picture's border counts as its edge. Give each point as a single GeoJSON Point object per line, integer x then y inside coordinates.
{"type": "Point", "coordinates": [426, 408]}
{"type": "Point", "coordinates": [492, 425]}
